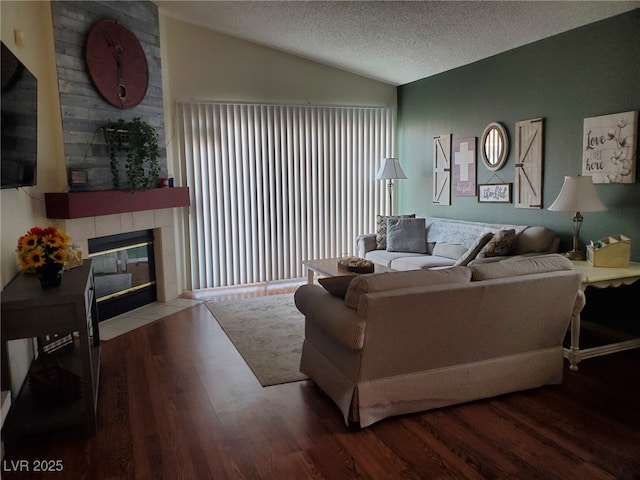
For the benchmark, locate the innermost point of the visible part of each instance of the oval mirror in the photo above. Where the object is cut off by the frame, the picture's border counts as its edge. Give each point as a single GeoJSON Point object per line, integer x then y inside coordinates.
{"type": "Point", "coordinates": [494, 146]}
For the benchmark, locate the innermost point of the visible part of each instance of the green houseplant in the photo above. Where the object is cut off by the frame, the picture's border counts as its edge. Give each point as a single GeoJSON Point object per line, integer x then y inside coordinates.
{"type": "Point", "coordinates": [138, 142]}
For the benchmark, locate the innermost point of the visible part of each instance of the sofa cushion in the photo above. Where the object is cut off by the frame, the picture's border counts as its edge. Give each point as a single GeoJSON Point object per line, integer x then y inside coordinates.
{"type": "Point", "coordinates": [406, 235]}
{"type": "Point", "coordinates": [381, 229]}
{"type": "Point", "coordinates": [383, 257]}
{"type": "Point", "coordinates": [336, 285]}
{"type": "Point", "coordinates": [449, 250]}
{"type": "Point", "coordinates": [500, 244]}
{"type": "Point", "coordinates": [378, 282]}
{"type": "Point", "coordinates": [525, 266]}
{"type": "Point", "coordinates": [416, 262]}
{"type": "Point", "coordinates": [533, 239]}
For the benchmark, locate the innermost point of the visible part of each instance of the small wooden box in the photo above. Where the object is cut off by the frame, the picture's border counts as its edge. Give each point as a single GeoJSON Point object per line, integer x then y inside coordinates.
{"type": "Point", "coordinates": [74, 257]}
{"type": "Point", "coordinates": [615, 252]}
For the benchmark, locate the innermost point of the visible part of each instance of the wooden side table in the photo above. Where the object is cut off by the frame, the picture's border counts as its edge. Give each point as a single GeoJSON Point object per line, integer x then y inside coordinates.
{"type": "Point", "coordinates": [30, 311]}
{"type": "Point", "coordinates": [600, 277]}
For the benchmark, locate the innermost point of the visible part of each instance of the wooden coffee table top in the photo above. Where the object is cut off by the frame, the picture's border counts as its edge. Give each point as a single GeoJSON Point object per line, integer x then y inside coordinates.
{"type": "Point", "coordinates": [328, 267]}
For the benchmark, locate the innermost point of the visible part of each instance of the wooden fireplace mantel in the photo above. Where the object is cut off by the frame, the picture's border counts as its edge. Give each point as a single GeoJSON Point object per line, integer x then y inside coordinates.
{"type": "Point", "coordinates": [107, 202]}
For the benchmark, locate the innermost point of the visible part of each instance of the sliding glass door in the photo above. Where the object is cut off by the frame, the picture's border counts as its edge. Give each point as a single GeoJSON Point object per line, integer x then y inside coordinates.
{"type": "Point", "coordinates": [274, 185]}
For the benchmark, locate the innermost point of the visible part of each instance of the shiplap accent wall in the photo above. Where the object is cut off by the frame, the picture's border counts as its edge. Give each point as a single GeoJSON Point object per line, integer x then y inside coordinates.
{"type": "Point", "coordinates": [84, 111]}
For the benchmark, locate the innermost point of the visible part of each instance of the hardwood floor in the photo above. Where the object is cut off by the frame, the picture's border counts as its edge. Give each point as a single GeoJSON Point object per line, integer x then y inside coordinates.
{"type": "Point", "coordinates": [177, 401]}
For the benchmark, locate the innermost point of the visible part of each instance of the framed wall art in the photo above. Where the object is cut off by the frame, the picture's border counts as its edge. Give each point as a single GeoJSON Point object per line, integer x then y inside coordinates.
{"type": "Point", "coordinates": [494, 193]}
{"type": "Point", "coordinates": [464, 167]}
{"type": "Point", "coordinates": [609, 147]}
{"type": "Point", "coordinates": [78, 179]}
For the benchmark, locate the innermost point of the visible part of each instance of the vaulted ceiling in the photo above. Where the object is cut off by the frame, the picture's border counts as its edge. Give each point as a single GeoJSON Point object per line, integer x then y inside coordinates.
{"type": "Point", "coordinates": [394, 42]}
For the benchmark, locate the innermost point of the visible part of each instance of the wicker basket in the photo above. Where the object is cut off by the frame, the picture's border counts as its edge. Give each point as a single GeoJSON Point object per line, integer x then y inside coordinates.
{"type": "Point", "coordinates": [51, 383]}
{"type": "Point", "coordinates": [356, 265]}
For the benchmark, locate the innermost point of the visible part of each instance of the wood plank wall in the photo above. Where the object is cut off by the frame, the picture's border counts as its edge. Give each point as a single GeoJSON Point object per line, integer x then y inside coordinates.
{"type": "Point", "coordinates": [84, 111]}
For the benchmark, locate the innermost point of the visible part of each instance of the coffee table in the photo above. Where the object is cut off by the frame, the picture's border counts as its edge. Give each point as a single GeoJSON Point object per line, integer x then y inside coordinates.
{"type": "Point", "coordinates": [328, 267]}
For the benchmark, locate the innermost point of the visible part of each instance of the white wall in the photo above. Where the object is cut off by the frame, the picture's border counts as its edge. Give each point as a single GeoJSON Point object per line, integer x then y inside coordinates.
{"type": "Point", "coordinates": [204, 65]}
{"type": "Point", "coordinates": [24, 208]}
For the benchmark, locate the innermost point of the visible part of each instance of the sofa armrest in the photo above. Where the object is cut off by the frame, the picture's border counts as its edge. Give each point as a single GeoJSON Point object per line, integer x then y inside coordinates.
{"type": "Point", "coordinates": [365, 243]}
{"type": "Point", "coordinates": [555, 245]}
{"type": "Point", "coordinates": [330, 314]}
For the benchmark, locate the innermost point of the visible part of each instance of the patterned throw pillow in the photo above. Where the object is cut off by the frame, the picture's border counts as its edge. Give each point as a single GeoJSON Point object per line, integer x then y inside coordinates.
{"type": "Point", "coordinates": [499, 245]}
{"type": "Point", "coordinates": [381, 229]}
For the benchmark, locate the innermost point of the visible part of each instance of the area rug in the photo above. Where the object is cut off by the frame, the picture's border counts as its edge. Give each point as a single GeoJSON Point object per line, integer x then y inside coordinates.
{"type": "Point", "coordinates": [268, 332]}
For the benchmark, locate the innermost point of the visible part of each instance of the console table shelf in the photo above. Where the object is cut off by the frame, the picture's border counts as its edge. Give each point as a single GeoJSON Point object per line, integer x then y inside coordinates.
{"type": "Point", "coordinates": [30, 311]}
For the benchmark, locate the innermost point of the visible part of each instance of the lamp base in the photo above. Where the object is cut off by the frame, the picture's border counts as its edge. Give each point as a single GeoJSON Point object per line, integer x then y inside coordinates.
{"type": "Point", "coordinates": [575, 255]}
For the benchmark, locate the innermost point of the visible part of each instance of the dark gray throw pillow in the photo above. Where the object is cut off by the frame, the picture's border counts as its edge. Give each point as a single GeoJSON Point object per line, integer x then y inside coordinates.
{"type": "Point", "coordinates": [336, 285]}
{"type": "Point", "coordinates": [406, 235]}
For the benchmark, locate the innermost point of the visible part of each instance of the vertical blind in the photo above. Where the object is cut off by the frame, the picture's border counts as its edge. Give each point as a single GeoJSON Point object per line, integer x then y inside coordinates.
{"type": "Point", "coordinates": [274, 185]}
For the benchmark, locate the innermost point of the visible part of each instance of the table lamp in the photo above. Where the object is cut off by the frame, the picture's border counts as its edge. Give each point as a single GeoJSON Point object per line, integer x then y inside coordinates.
{"type": "Point", "coordinates": [578, 194]}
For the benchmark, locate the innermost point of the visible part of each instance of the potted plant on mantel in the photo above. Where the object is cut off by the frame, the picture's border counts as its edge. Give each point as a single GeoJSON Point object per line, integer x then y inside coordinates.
{"type": "Point", "coordinates": [138, 142]}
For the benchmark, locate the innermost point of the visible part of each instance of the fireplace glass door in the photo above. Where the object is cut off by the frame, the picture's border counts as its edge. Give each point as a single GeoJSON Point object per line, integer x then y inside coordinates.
{"type": "Point", "coordinates": [124, 272]}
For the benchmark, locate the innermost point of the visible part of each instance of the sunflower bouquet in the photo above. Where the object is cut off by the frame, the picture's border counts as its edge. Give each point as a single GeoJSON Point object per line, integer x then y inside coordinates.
{"type": "Point", "coordinates": [43, 248]}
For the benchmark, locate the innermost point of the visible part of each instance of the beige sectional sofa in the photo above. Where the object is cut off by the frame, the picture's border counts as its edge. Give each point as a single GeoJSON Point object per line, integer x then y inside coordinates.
{"type": "Point", "coordinates": [449, 242]}
{"type": "Point", "coordinates": [407, 341]}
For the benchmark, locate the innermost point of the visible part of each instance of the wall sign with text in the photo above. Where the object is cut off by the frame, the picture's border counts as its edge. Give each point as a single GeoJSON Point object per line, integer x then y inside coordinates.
{"type": "Point", "coordinates": [609, 148]}
{"type": "Point", "coordinates": [494, 193]}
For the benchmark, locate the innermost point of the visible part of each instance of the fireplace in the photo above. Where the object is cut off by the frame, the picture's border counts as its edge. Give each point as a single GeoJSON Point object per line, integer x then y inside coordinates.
{"type": "Point", "coordinates": [89, 215]}
{"type": "Point", "coordinates": [124, 270]}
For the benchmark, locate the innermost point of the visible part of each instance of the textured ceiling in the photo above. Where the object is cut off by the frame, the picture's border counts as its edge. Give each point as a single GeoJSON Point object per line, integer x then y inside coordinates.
{"type": "Point", "coordinates": [394, 42]}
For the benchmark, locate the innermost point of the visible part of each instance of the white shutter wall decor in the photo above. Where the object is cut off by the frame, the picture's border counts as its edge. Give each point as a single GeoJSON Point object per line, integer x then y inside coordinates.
{"type": "Point", "coordinates": [274, 185]}
{"type": "Point", "coordinates": [442, 170]}
{"type": "Point", "coordinates": [529, 152]}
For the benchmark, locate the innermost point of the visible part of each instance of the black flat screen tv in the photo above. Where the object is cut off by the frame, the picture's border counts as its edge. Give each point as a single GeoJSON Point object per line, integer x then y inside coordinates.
{"type": "Point", "coordinates": [19, 105]}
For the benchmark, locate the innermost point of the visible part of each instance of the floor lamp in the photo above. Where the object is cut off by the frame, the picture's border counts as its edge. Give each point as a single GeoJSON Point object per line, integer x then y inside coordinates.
{"type": "Point", "coordinates": [390, 171]}
{"type": "Point", "coordinates": [577, 194]}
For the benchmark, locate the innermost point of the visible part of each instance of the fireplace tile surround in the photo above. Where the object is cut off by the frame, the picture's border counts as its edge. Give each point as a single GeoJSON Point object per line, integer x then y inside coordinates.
{"type": "Point", "coordinates": [159, 220]}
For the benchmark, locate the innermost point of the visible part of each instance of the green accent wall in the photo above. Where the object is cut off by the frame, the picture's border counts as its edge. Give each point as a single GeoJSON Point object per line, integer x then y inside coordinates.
{"type": "Point", "coordinates": [590, 71]}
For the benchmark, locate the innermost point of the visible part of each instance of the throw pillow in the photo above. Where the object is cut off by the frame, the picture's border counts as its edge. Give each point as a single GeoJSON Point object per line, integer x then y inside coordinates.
{"type": "Point", "coordinates": [406, 235]}
{"type": "Point", "coordinates": [448, 250]}
{"type": "Point", "coordinates": [381, 229]}
{"type": "Point", "coordinates": [336, 285]}
{"type": "Point", "coordinates": [499, 245]}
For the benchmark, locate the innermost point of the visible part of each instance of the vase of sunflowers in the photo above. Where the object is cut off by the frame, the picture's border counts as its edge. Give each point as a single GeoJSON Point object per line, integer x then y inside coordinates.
{"type": "Point", "coordinates": [44, 251]}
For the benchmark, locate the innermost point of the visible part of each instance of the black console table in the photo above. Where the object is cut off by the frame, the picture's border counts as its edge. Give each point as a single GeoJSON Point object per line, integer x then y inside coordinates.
{"type": "Point", "coordinates": [31, 311]}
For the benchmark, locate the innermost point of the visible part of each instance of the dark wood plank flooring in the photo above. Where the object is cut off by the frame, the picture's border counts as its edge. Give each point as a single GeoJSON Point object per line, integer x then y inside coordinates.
{"type": "Point", "coordinates": [177, 401]}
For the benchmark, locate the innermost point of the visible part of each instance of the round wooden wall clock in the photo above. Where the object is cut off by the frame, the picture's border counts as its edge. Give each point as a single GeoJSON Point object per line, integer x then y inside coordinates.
{"type": "Point", "coordinates": [117, 64]}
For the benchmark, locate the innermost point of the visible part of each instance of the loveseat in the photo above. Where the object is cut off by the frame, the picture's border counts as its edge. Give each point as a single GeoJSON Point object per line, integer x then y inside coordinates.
{"type": "Point", "coordinates": [404, 243]}
{"type": "Point", "coordinates": [408, 341]}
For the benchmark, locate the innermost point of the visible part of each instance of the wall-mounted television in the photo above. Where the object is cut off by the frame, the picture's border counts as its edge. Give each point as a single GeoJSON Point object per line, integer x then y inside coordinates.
{"type": "Point", "coordinates": [19, 105]}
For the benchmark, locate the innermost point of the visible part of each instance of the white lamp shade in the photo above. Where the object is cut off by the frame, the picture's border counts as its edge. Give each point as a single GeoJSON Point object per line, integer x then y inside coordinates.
{"type": "Point", "coordinates": [390, 169]}
{"type": "Point", "coordinates": [578, 194]}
